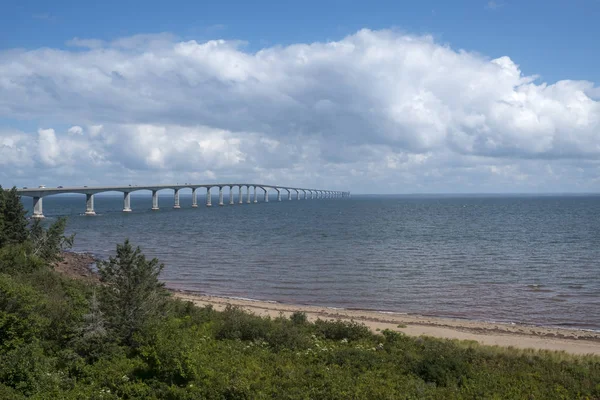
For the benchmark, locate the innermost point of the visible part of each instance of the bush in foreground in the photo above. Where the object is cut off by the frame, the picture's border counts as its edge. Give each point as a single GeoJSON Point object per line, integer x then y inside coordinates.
{"type": "Point", "coordinates": [191, 352]}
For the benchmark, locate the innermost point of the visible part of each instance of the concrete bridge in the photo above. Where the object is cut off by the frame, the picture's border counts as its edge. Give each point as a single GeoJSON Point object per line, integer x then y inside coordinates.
{"type": "Point", "coordinates": [89, 191]}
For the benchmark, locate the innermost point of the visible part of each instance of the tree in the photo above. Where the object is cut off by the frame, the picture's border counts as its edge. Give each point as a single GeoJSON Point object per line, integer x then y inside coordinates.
{"type": "Point", "coordinates": [13, 224]}
{"type": "Point", "coordinates": [94, 321]}
{"type": "Point", "coordinates": [35, 240]}
{"type": "Point", "coordinates": [131, 295]}
{"type": "Point", "coordinates": [49, 243]}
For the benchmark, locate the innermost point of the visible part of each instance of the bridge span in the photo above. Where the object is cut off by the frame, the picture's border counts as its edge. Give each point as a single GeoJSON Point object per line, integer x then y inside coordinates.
{"type": "Point", "coordinates": [40, 192]}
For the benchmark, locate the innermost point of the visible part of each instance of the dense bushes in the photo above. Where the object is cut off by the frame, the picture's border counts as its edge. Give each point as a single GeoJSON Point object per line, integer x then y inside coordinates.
{"type": "Point", "coordinates": [125, 339]}
{"type": "Point", "coordinates": [192, 352]}
{"type": "Point", "coordinates": [21, 314]}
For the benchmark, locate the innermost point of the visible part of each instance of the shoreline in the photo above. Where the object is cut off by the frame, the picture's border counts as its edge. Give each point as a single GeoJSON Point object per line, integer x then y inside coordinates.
{"type": "Point", "coordinates": [522, 336]}
{"type": "Point", "coordinates": [225, 297]}
{"type": "Point", "coordinates": [574, 341]}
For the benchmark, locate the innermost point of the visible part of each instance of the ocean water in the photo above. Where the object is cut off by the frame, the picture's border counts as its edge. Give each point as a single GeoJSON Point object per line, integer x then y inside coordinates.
{"type": "Point", "coordinates": [519, 259]}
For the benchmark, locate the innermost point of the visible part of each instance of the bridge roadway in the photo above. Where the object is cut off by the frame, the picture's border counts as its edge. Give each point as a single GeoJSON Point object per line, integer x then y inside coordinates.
{"type": "Point", "coordinates": [90, 191]}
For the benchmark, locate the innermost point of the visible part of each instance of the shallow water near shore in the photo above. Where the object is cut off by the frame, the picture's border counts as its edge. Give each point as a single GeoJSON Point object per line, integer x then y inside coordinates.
{"type": "Point", "coordinates": [498, 258]}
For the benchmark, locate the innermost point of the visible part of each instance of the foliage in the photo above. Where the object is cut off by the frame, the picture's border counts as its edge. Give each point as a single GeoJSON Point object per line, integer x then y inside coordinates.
{"type": "Point", "coordinates": [49, 243]}
{"type": "Point", "coordinates": [21, 313]}
{"type": "Point", "coordinates": [13, 224]}
{"type": "Point", "coordinates": [298, 318]}
{"type": "Point", "coordinates": [19, 243]}
{"type": "Point", "coordinates": [17, 258]}
{"type": "Point", "coordinates": [131, 294]}
{"type": "Point", "coordinates": [194, 352]}
{"type": "Point", "coordinates": [339, 330]}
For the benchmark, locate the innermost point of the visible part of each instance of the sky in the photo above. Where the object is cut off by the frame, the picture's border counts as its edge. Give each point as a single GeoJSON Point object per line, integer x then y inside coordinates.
{"type": "Point", "coordinates": [372, 97]}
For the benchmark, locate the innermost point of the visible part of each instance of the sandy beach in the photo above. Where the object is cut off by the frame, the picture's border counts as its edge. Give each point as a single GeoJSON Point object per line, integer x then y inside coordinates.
{"type": "Point", "coordinates": [494, 334]}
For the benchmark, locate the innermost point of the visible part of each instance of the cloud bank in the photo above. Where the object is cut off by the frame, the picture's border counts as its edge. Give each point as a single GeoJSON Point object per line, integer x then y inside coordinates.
{"type": "Point", "coordinates": [376, 112]}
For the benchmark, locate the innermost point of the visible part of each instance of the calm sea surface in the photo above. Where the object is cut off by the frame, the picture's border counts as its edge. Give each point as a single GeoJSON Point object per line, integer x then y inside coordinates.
{"type": "Point", "coordinates": [518, 258]}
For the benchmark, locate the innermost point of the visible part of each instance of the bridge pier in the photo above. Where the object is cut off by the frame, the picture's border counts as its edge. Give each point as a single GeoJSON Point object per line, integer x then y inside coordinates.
{"type": "Point", "coordinates": [194, 198]}
{"type": "Point", "coordinates": [312, 194]}
{"type": "Point", "coordinates": [297, 194]}
{"type": "Point", "coordinates": [220, 195]}
{"type": "Point", "coordinates": [248, 194]}
{"type": "Point", "coordinates": [255, 199]}
{"type": "Point", "coordinates": [240, 195]}
{"type": "Point", "coordinates": [155, 200]}
{"type": "Point", "coordinates": [304, 191]}
{"type": "Point", "coordinates": [289, 194]}
{"type": "Point", "coordinates": [176, 199]}
{"type": "Point", "coordinates": [278, 194]}
{"type": "Point", "coordinates": [126, 202]}
{"type": "Point", "coordinates": [89, 204]}
{"type": "Point", "coordinates": [208, 198]}
{"type": "Point", "coordinates": [266, 195]}
{"type": "Point", "coordinates": [37, 208]}
{"type": "Point", "coordinates": [230, 195]}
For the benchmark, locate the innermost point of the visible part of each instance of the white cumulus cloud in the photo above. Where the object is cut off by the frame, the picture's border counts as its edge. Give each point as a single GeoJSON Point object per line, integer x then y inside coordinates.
{"type": "Point", "coordinates": [75, 130]}
{"type": "Point", "coordinates": [377, 111]}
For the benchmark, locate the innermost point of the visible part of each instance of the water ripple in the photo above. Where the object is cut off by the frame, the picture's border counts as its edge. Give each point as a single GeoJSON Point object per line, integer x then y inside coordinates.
{"type": "Point", "coordinates": [528, 259]}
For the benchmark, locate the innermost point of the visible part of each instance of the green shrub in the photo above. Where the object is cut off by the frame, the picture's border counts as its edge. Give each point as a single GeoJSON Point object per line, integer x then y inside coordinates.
{"type": "Point", "coordinates": [444, 363]}
{"type": "Point", "coordinates": [8, 393]}
{"type": "Point", "coordinates": [28, 370]}
{"type": "Point", "coordinates": [21, 314]}
{"type": "Point", "coordinates": [338, 330]}
{"type": "Point", "coordinates": [298, 318]}
{"type": "Point", "coordinates": [284, 334]}
{"type": "Point", "coordinates": [235, 323]}
{"type": "Point", "coordinates": [190, 313]}
{"type": "Point", "coordinates": [171, 361]}
{"type": "Point", "coordinates": [64, 305]}
{"type": "Point", "coordinates": [17, 258]}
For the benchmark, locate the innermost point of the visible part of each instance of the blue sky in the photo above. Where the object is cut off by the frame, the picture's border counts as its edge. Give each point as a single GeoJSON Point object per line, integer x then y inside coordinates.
{"type": "Point", "coordinates": [374, 97]}
{"type": "Point", "coordinates": [550, 38]}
